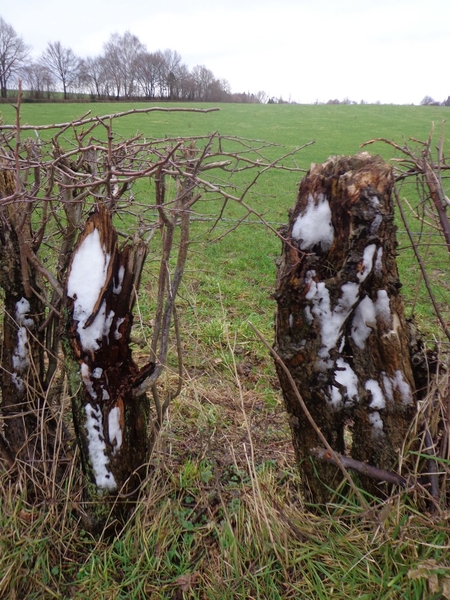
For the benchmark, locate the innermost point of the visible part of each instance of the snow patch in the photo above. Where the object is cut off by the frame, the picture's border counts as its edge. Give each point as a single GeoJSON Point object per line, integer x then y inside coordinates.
{"type": "Point", "coordinates": [335, 397]}
{"type": "Point", "coordinates": [22, 309]}
{"type": "Point", "coordinates": [376, 422]}
{"type": "Point", "coordinates": [382, 307]}
{"type": "Point", "coordinates": [18, 382]}
{"type": "Point", "coordinates": [367, 262]}
{"type": "Point", "coordinates": [331, 320]}
{"type": "Point", "coordinates": [20, 358]}
{"type": "Point", "coordinates": [114, 429]}
{"type": "Point", "coordinates": [86, 280]}
{"type": "Point", "coordinates": [345, 376]}
{"type": "Point", "coordinates": [117, 288]}
{"type": "Point", "coordinates": [314, 225]}
{"type": "Point", "coordinates": [397, 383]}
{"type": "Point", "coordinates": [104, 479]}
{"type": "Point", "coordinates": [364, 320]}
{"type": "Point", "coordinates": [402, 386]}
{"type": "Point", "coordinates": [86, 377]}
{"type": "Point", "coordinates": [378, 401]}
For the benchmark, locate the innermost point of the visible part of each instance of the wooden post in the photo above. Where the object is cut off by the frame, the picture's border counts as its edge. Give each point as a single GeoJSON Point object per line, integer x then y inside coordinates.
{"type": "Point", "coordinates": [340, 325]}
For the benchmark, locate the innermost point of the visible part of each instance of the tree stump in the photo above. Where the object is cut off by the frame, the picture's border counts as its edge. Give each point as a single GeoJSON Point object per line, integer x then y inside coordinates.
{"type": "Point", "coordinates": [340, 324]}
{"type": "Point", "coordinates": [111, 418]}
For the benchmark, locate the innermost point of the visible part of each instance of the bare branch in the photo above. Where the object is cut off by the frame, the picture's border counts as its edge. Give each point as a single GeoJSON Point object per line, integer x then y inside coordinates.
{"type": "Point", "coordinates": [359, 467]}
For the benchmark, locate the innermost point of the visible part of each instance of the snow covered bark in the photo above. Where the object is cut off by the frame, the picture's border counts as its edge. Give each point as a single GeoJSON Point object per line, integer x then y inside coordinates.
{"type": "Point", "coordinates": [111, 419]}
{"type": "Point", "coordinates": [340, 325]}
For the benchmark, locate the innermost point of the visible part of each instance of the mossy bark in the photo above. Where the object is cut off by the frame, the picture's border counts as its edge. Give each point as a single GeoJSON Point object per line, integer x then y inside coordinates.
{"type": "Point", "coordinates": [340, 324]}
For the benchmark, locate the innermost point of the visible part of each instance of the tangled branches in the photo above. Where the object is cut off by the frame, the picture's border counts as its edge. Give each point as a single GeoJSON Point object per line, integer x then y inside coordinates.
{"type": "Point", "coordinates": [152, 190]}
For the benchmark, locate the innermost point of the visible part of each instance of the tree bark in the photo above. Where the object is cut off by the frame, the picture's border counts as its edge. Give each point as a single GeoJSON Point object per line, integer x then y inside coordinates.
{"type": "Point", "coordinates": [340, 324]}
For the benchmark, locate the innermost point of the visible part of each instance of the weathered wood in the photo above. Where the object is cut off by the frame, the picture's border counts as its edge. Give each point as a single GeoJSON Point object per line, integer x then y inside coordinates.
{"type": "Point", "coordinates": [111, 422]}
{"type": "Point", "coordinates": [340, 325]}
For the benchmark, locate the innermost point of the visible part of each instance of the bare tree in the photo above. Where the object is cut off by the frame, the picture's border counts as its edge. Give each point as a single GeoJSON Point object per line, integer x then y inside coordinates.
{"type": "Point", "coordinates": [147, 67]}
{"type": "Point", "coordinates": [13, 55]}
{"type": "Point", "coordinates": [162, 74]}
{"type": "Point", "coordinates": [185, 84]}
{"type": "Point", "coordinates": [38, 79]}
{"type": "Point", "coordinates": [262, 97]}
{"type": "Point", "coordinates": [204, 80]}
{"type": "Point", "coordinates": [428, 101]}
{"type": "Point", "coordinates": [92, 76]}
{"type": "Point", "coordinates": [173, 64]}
{"type": "Point", "coordinates": [120, 56]}
{"type": "Point", "coordinates": [62, 63]}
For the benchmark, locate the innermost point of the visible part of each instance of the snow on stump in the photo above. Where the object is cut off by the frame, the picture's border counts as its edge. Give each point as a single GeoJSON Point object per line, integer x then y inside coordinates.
{"type": "Point", "coordinates": [111, 420]}
{"type": "Point", "coordinates": [340, 325]}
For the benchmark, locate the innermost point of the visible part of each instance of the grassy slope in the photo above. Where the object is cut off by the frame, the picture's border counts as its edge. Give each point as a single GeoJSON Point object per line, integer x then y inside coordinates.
{"type": "Point", "coordinates": [222, 517]}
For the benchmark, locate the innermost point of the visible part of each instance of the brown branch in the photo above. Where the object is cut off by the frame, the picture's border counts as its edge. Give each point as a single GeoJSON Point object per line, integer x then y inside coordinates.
{"type": "Point", "coordinates": [358, 466]}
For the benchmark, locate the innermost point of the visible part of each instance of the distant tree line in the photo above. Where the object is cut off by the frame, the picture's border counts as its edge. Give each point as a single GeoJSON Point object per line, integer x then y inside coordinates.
{"type": "Point", "coordinates": [429, 101]}
{"type": "Point", "coordinates": [426, 101]}
{"type": "Point", "coordinates": [125, 70]}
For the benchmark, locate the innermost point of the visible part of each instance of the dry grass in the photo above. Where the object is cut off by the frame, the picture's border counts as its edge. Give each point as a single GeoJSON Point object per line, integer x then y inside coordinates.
{"type": "Point", "coordinates": [221, 515]}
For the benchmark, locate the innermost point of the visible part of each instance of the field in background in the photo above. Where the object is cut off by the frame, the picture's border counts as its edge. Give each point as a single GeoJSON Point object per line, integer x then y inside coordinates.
{"type": "Point", "coordinates": [335, 129]}
{"type": "Point", "coordinates": [222, 516]}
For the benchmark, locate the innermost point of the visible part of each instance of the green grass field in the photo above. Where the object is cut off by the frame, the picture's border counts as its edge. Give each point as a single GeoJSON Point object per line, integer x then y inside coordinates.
{"type": "Point", "coordinates": [335, 129]}
{"type": "Point", "coordinates": [222, 516]}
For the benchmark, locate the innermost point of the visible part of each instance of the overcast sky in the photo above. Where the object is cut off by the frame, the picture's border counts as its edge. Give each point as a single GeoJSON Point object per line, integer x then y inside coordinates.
{"type": "Point", "coordinates": [392, 51]}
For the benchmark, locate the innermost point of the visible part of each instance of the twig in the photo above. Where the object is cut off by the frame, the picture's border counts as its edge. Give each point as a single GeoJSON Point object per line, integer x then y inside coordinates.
{"type": "Point", "coordinates": [359, 467]}
{"type": "Point", "coordinates": [421, 266]}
